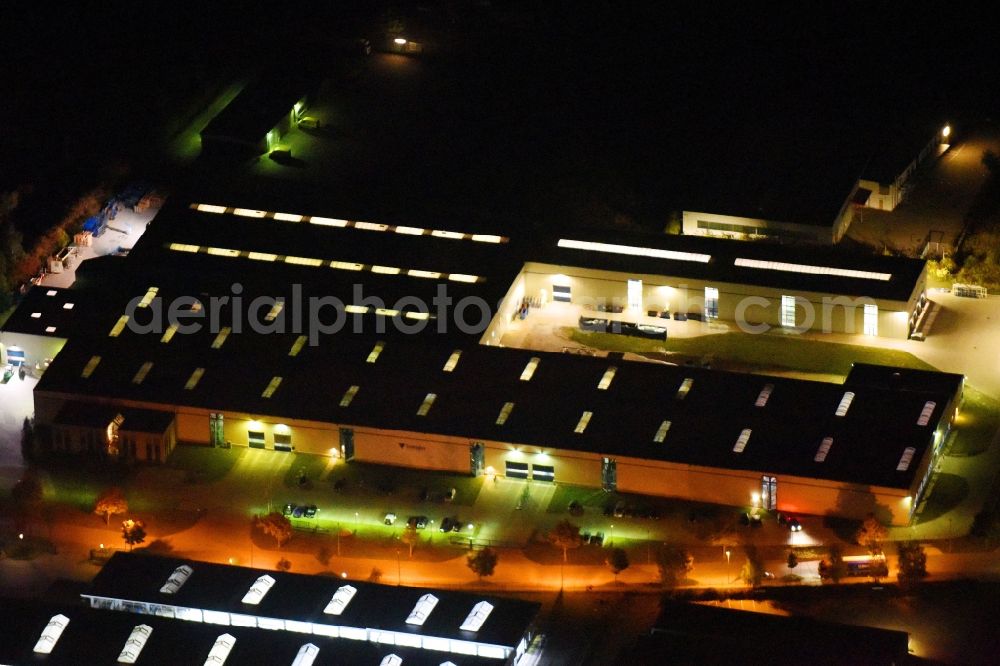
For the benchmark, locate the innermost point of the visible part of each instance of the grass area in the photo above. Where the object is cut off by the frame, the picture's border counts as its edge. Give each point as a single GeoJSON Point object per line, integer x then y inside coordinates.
{"type": "Point", "coordinates": [5, 315]}
{"type": "Point", "coordinates": [948, 492]}
{"type": "Point", "coordinates": [203, 464]}
{"type": "Point", "coordinates": [976, 425]}
{"type": "Point", "coordinates": [758, 351]}
{"type": "Point", "coordinates": [27, 548]}
{"type": "Point", "coordinates": [358, 478]}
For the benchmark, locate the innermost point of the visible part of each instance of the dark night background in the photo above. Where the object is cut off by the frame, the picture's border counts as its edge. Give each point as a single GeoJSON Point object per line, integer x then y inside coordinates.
{"type": "Point", "coordinates": [580, 112]}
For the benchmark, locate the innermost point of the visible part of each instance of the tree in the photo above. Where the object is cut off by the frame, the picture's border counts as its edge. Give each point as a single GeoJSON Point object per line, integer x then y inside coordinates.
{"type": "Point", "coordinates": [833, 566]}
{"type": "Point", "coordinates": [283, 564]}
{"type": "Point", "coordinates": [674, 563]}
{"type": "Point", "coordinates": [912, 561]}
{"type": "Point", "coordinates": [111, 501]}
{"type": "Point", "coordinates": [752, 572]}
{"type": "Point", "coordinates": [872, 534]}
{"type": "Point", "coordinates": [26, 495]}
{"type": "Point", "coordinates": [617, 561]}
{"type": "Point", "coordinates": [483, 562]}
{"type": "Point", "coordinates": [133, 532]}
{"type": "Point", "coordinates": [793, 559]}
{"type": "Point", "coordinates": [375, 576]}
{"type": "Point", "coordinates": [565, 535]}
{"type": "Point", "coordinates": [410, 537]}
{"type": "Point", "coordinates": [27, 430]}
{"type": "Point", "coordinates": [276, 525]}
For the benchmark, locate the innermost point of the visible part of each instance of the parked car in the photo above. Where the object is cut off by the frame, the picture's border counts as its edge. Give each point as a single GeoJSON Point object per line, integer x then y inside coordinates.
{"type": "Point", "coordinates": [298, 510]}
{"type": "Point", "coordinates": [418, 522]}
{"type": "Point", "coordinates": [789, 521]}
{"type": "Point", "coordinates": [597, 539]}
{"type": "Point", "coordinates": [390, 518]}
{"type": "Point", "coordinates": [287, 510]}
{"type": "Point", "coordinates": [619, 510]}
{"type": "Point", "coordinates": [450, 495]}
{"type": "Point", "coordinates": [310, 511]}
{"type": "Point", "coordinates": [446, 524]}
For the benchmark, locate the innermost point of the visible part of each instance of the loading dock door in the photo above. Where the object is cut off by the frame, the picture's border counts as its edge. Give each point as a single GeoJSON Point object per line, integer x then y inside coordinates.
{"type": "Point", "coordinates": [517, 470]}
{"type": "Point", "coordinates": [543, 472]}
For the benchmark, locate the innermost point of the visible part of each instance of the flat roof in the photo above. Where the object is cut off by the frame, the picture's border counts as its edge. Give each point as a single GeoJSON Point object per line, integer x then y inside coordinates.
{"type": "Point", "coordinates": [258, 107]}
{"type": "Point", "coordinates": [91, 415]}
{"type": "Point", "coordinates": [304, 597]}
{"type": "Point", "coordinates": [796, 270]}
{"type": "Point", "coordinates": [98, 636]}
{"type": "Point", "coordinates": [786, 433]}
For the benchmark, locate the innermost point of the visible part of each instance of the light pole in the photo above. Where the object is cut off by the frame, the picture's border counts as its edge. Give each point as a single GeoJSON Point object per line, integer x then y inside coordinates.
{"type": "Point", "coordinates": [399, 571]}
{"type": "Point", "coordinates": [729, 554]}
{"type": "Point", "coordinates": [612, 539]}
{"type": "Point", "coordinates": [355, 522]}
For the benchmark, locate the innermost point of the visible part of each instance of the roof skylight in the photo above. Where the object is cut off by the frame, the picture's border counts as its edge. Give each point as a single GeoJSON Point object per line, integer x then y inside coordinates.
{"type": "Point", "coordinates": [685, 387]}
{"type": "Point", "coordinates": [220, 339]}
{"type": "Point", "coordinates": [134, 644]}
{"type": "Point", "coordinates": [925, 413]}
{"type": "Point", "coordinates": [452, 361]}
{"type": "Point", "coordinates": [634, 251]}
{"type": "Point", "coordinates": [375, 352]}
{"type": "Point", "coordinates": [661, 432]}
{"type": "Point", "coordinates": [427, 404]}
{"type": "Point", "coordinates": [349, 395]}
{"type": "Point", "coordinates": [194, 379]}
{"type": "Point", "coordinates": [824, 449]}
{"type": "Point", "coordinates": [741, 441]}
{"type": "Point", "coordinates": [298, 345]}
{"type": "Point", "coordinates": [605, 382]}
{"type": "Point", "coordinates": [581, 425]}
{"type": "Point", "coordinates": [306, 656]}
{"type": "Point", "coordinates": [272, 386]}
{"type": "Point", "coordinates": [765, 394]}
{"type": "Point", "coordinates": [810, 269]}
{"type": "Point", "coordinates": [148, 297]}
{"type": "Point", "coordinates": [504, 413]}
{"type": "Point", "coordinates": [88, 369]}
{"type": "Point", "coordinates": [906, 459]}
{"type": "Point", "coordinates": [258, 590]}
{"type": "Point", "coordinates": [119, 326]}
{"type": "Point", "coordinates": [845, 404]}
{"type": "Point", "coordinates": [142, 372]}
{"type": "Point", "coordinates": [529, 369]}
{"type": "Point", "coordinates": [220, 650]}
{"type": "Point", "coordinates": [422, 609]}
{"type": "Point", "coordinates": [177, 579]}
{"type": "Point", "coordinates": [340, 599]}
{"type": "Point", "coordinates": [477, 616]}
{"type": "Point", "coordinates": [51, 633]}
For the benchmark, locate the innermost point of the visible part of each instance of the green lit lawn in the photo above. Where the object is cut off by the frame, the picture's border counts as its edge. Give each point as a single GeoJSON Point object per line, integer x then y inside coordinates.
{"type": "Point", "coordinates": [976, 424]}
{"type": "Point", "coordinates": [203, 464]}
{"type": "Point", "coordinates": [758, 352]}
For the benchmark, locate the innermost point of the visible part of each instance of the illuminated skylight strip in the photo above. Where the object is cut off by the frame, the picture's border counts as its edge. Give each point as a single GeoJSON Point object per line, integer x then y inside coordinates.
{"type": "Point", "coordinates": [258, 590]}
{"type": "Point", "coordinates": [272, 386]}
{"type": "Point", "coordinates": [275, 310]}
{"type": "Point", "coordinates": [845, 404]}
{"type": "Point", "coordinates": [168, 334]}
{"type": "Point", "coordinates": [194, 379]}
{"type": "Point", "coordinates": [427, 404]}
{"type": "Point", "coordinates": [349, 395]}
{"type": "Point", "coordinates": [413, 272]}
{"type": "Point", "coordinates": [375, 352]}
{"type": "Point", "coordinates": [346, 266]}
{"type": "Point", "coordinates": [306, 655]}
{"type": "Point", "coordinates": [634, 251]}
{"type": "Point", "coordinates": [220, 650]}
{"type": "Point", "coordinates": [477, 616]}
{"type": "Point", "coordinates": [765, 395]}
{"type": "Point", "coordinates": [141, 373]}
{"type": "Point", "coordinates": [452, 361]}
{"type": "Point", "coordinates": [134, 644]}
{"type": "Point", "coordinates": [184, 247]}
{"type": "Point", "coordinates": [222, 252]}
{"type": "Point", "coordinates": [505, 411]}
{"type": "Point", "coordinates": [529, 369]}
{"type": "Point", "coordinates": [810, 269]}
{"type": "Point", "coordinates": [355, 309]}
{"type": "Point", "coordinates": [148, 297]}
{"type": "Point", "coordinates": [462, 277]}
{"type": "Point", "coordinates": [262, 256]}
{"type": "Point", "coordinates": [88, 369]}
{"type": "Point", "coordinates": [605, 382]}
{"type": "Point", "coordinates": [685, 387]}
{"type": "Point", "coordinates": [581, 425]}
{"type": "Point", "coordinates": [823, 450]}
{"type": "Point", "coordinates": [360, 225]}
{"type": "Point", "coordinates": [119, 326]}
{"type": "Point", "coordinates": [297, 345]}
{"type": "Point", "coordinates": [906, 459]}
{"type": "Point", "coordinates": [177, 579]}
{"type": "Point", "coordinates": [385, 270]}
{"type": "Point", "coordinates": [340, 599]}
{"type": "Point", "coordinates": [415, 314]}
{"type": "Point", "coordinates": [422, 609]}
{"type": "Point", "coordinates": [741, 441]}
{"type": "Point", "coordinates": [925, 413]}
{"type": "Point", "coordinates": [661, 432]}
{"type": "Point", "coordinates": [51, 633]}
{"type": "Point", "coordinates": [303, 261]}
{"type": "Point", "coordinates": [220, 339]}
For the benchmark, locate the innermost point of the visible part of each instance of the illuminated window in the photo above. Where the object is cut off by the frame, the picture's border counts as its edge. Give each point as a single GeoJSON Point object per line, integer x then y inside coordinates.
{"type": "Point", "coordinates": [272, 386]}
{"type": "Point", "coordinates": [605, 382]}
{"type": "Point", "coordinates": [249, 212]}
{"type": "Point", "coordinates": [452, 360]}
{"type": "Point", "coordinates": [906, 459]}
{"type": "Point", "coordinates": [220, 339]}
{"type": "Point", "coordinates": [634, 251]}
{"type": "Point", "coordinates": [349, 396]}
{"type": "Point", "coordinates": [287, 217]}
{"type": "Point", "coordinates": [297, 345]}
{"type": "Point", "coordinates": [824, 449]}
{"type": "Point", "coordinates": [210, 208]}
{"type": "Point", "coordinates": [423, 274]}
{"type": "Point", "coordinates": [871, 319]}
{"type": "Point", "coordinates": [765, 394]}
{"type": "Point", "coordinates": [223, 252]}
{"type": "Point", "coordinates": [303, 261]}
{"type": "Point", "coordinates": [925, 413]}
{"type": "Point", "coordinates": [741, 441]}
{"type": "Point", "coordinates": [374, 354]}
{"type": "Point", "coordinates": [788, 311]}
{"type": "Point", "coordinates": [340, 599]}
{"type": "Point", "coordinates": [328, 222]}
{"type": "Point", "coordinates": [275, 310]}
{"type": "Point", "coordinates": [119, 326]}
{"type": "Point", "coordinates": [661, 432]}
{"type": "Point", "coordinates": [142, 372]}
{"type": "Point", "coordinates": [422, 609]}
{"type": "Point", "coordinates": [262, 256]}
{"type": "Point", "coordinates": [168, 334]}
{"type": "Point", "coordinates": [685, 388]}
{"type": "Point", "coordinates": [813, 270]}
{"type": "Point", "coordinates": [88, 369]}
{"type": "Point", "coordinates": [411, 231]}
{"type": "Point", "coordinates": [148, 297]}
{"type": "Point", "coordinates": [386, 270]}
{"type": "Point", "coordinates": [474, 621]}
{"type": "Point", "coordinates": [306, 656]}
{"type": "Point", "coordinates": [346, 266]}
{"type": "Point", "coordinates": [461, 277]}
{"type": "Point", "coordinates": [194, 379]}
{"type": "Point", "coordinates": [370, 226]}
{"type": "Point", "coordinates": [581, 425]}
{"type": "Point", "coordinates": [845, 404]}
{"type": "Point", "coordinates": [529, 369]}
{"type": "Point", "coordinates": [183, 247]}
{"type": "Point", "coordinates": [51, 633]}
{"type": "Point", "coordinates": [505, 413]}
{"type": "Point", "coordinates": [134, 644]}
{"type": "Point", "coordinates": [427, 404]}
{"type": "Point", "coordinates": [177, 579]}
{"type": "Point", "coordinates": [220, 649]}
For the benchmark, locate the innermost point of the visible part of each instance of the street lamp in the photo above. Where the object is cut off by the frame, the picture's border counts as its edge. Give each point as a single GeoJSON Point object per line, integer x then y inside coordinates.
{"type": "Point", "coordinates": [399, 571]}
{"type": "Point", "coordinates": [355, 522]}
{"type": "Point", "coordinates": [946, 132]}
{"type": "Point", "coordinates": [612, 539]}
{"type": "Point", "coordinates": [729, 554]}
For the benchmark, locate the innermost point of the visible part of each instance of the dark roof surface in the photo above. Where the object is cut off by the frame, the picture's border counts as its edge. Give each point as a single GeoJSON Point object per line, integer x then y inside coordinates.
{"type": "Point", "coordinates": [303, 597]}
{"type": "Point", "coordinates": [88, 414]}
{"type": "Point", "coordinates": [258, 107]}
{"type": "Point", "coordinates": [98, 636]}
